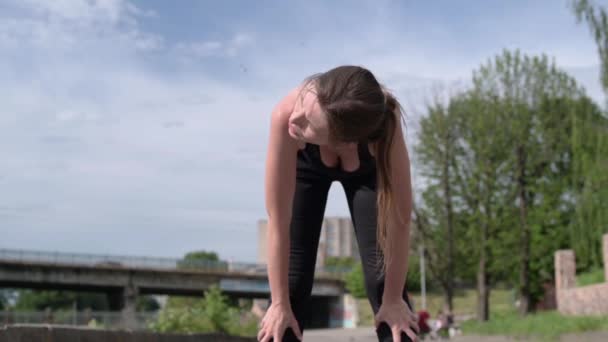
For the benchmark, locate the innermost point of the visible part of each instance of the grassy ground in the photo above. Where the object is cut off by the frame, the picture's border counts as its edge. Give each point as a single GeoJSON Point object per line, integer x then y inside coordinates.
{"type": "Point", "coordinates": [545, 326]}
{"type": "Point", "coordinates": [465, 302]}
{"type": "Point", "coordinates": [503, 317]}
{"type": "Point", "coordinates": [595, 276]}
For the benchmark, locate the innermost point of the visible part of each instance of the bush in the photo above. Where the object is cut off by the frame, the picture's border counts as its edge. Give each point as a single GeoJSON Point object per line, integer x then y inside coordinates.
{"type": "Point", "coordinates": [355, 280]}
{"type": "Point", "coordinates": [213, 314]}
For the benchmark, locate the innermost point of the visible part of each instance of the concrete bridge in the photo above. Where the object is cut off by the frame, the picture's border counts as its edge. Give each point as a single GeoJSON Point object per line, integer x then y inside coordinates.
{"type": "Point", "coordinates": [124, 278]}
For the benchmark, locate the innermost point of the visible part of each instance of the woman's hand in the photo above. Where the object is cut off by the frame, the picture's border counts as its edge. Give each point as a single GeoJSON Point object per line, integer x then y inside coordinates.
{"type": "Point", "coordinates": [277, 319]}
{"type": "Point", "coordinates": [398, 317]}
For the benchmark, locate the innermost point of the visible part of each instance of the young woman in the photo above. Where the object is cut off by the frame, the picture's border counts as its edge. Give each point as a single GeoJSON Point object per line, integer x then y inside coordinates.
{"type": "Point", "coordinates": [340, 125]}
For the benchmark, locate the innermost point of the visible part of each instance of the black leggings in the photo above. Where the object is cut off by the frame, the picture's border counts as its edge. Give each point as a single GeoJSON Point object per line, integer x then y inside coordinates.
{"type": "Point", "coordinates": [307, 217]}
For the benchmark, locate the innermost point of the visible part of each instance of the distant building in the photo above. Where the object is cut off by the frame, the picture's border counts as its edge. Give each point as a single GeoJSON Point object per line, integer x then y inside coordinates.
{"type": "Point", "coordinates": [337, 240]}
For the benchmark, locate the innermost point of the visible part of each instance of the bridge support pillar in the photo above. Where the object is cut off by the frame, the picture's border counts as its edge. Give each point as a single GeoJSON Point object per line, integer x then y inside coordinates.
{"type": "Point", "coordinates": [343, 312]}
{"type": "Point", "coordinates": [124, 301]}
{"type": "Point", "coordinates": [129, 296]}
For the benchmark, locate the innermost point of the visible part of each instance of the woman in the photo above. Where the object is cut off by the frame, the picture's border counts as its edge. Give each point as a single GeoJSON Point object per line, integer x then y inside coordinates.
{"type": "Point", "coordinates": [343, 126]}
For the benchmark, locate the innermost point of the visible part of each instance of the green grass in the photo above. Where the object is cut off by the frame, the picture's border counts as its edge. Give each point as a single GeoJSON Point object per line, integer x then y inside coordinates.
{"type": "Point", "coordinates": [595, 276]}
{"type": "Point", "coordinates": [545, 326]}
{"type": "Point", "coordinates": [504, 320]}
{"type": "Point", "coordinates": [465, 303]}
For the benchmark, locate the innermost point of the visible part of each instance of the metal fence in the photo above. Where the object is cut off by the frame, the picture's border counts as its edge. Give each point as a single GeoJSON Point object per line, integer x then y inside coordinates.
{"type": "Point", "coordinates": [148, 262]}
{"type": "Point", "coordinates": [98, 319]}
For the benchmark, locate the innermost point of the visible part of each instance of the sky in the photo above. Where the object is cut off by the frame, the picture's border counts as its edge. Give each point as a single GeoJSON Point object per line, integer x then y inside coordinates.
{"type": "Point", "coordinates": [140, 127]}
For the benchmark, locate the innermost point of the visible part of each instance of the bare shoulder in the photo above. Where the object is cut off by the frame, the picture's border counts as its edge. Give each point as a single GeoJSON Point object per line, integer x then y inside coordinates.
{"type": "Point", "coordinates": [280, 117]}
{"type": "Point", "coordinates": [285, 106]}
{"type": "Point", "coordinates": [281, 161]}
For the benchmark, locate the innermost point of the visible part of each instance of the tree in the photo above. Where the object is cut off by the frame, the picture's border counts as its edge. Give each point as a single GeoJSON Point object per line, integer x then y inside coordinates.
{"type": "Point", "coordinates": [481, 182]}
{"type": "Point", "coordinates": [436, 158]}
{"type": "Point", "coordinates": [202, 260]}
{"type": "Point", "coordinates": [38, 300]}
{"type": "Point", "coordinates": [534, 97]}
{"type": "Point", "coordinates": [597, 20]}
{"type": "Point", "coordinates": [590, 146]}
{"type": "Point", "coordinates": [500, 156]}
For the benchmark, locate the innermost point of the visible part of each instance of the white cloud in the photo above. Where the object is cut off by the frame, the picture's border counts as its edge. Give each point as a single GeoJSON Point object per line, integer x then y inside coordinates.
{"type": "Point", "coordinates": [54, 26]}
{"type": "Point", "coordinates": [228, 48]}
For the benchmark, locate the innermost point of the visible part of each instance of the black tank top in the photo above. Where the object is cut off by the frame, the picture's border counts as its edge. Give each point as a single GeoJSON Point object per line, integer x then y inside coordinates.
{"type": "Point", "coordinates": [309, 162]}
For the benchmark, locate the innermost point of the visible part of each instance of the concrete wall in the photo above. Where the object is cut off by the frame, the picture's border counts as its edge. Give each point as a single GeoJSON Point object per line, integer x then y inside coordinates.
{"type": "Point", "coordinates": [51, 333]}
{"type": "Point", "coordinates": [584, 300]}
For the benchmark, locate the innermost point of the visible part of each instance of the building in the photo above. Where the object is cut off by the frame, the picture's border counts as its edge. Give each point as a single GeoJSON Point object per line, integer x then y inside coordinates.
{"type": "Point", "coordinates": [337, 240]}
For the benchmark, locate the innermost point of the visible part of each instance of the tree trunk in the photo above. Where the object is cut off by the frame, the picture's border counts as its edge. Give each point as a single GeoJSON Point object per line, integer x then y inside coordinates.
{"type": "Point", "coordinates": [483, 312]}
{"type": "Point", "coordinates": [482, 290]}
{"type": "Point", "coordinates": [450, 234]}
{"type": "Point", "coordinates": [524, 268]}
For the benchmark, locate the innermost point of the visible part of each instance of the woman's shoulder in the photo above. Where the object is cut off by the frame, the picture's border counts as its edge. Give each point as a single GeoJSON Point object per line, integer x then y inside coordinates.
{"type": "Point", "coordinates": [280, 115]}
{"type": "Point", "coordinates": [284, 107]}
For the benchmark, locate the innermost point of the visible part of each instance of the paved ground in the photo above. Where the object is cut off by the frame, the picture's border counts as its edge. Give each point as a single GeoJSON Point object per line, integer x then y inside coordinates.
{"type": "Point", "coordinates": [367, 335]}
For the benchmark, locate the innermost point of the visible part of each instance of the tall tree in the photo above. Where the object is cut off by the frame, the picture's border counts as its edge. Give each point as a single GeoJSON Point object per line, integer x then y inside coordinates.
{"type": "Point", "coordinates": [590, 146]}
{"type": "Point", "coordinates": [482, 161]}
{"type": "Point", "coordinates": [523, 85]}
{"type": "Point", "coordinates": [436, 158]}
{"type": "Point", "coordinates": [597, 20]}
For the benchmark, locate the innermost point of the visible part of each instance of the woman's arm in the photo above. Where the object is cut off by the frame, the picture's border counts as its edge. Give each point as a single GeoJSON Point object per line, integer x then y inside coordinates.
{"type": "Point", "coordinates": [279, 188]}
{"type": "Point", "coordinates": [398, 234]}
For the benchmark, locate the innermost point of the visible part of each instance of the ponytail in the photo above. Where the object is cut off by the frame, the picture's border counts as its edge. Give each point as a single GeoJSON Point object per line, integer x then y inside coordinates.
{"type": "Point", "coordinates": [384, 188]}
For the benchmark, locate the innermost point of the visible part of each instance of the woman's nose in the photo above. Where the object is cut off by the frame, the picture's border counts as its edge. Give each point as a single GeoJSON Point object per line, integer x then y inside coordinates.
{"type": "Point", "coordinates": [298, 117]}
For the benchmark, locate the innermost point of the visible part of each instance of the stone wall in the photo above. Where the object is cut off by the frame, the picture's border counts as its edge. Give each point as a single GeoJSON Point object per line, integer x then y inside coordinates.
{"type": "Point", "coordinates": [584, 300]}
{"type": "Point", "coordinates": [52, 333]}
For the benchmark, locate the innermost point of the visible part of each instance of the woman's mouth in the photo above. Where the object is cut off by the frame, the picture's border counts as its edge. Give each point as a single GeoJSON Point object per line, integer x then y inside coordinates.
{"type": "Point", "coordinates": [295, 130]}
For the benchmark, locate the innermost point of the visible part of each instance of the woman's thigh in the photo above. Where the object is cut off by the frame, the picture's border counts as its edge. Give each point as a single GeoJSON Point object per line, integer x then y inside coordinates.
{"type": "Point", "coordinates": [361, 198]}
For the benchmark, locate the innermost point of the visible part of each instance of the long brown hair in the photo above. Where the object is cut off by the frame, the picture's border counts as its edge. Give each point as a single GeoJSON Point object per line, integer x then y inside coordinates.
{"type": "Point", "coordinates": [360, 109]}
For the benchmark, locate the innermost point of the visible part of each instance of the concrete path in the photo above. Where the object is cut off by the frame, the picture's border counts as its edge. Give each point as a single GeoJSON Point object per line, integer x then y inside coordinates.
{"type": "Point", "coordinates": [366, 334]}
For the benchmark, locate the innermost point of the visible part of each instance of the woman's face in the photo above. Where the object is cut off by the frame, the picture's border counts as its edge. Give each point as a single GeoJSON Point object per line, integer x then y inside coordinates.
{"type": "Point", "coordinates": [308, 123]}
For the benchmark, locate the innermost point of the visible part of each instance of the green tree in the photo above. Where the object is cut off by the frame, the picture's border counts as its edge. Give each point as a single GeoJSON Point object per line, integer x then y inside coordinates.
{"type": "Point", "coordinates": [436, 156]}
{"type": "Point", "coordinates": [481, 183]}
{"type": "Point", "coordinates": [504, 151]}
{"type": "Point", "coordinates": [37, 300]}
{"type": "Point", "coordinates": [202, 260]}
{"type": "Point", "coordinates": [535, 101]}
{"type": "Point", "coordinates": [590, 146]}
{"type": "Point", "coordinates": [597, 20]}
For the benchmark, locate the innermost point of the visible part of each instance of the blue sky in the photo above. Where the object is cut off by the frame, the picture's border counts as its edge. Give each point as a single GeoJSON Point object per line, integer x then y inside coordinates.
{"type": "Point", "coordinates": [140, 127]}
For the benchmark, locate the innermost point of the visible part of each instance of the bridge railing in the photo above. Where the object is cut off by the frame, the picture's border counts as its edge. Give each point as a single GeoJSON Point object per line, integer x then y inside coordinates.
{"type": "Point", "coordinates": [101, 260]}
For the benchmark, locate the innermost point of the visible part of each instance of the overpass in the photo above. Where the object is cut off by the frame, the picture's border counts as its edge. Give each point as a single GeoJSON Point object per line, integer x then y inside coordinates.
{"type": "Point", "coordinates": [123, 278]}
